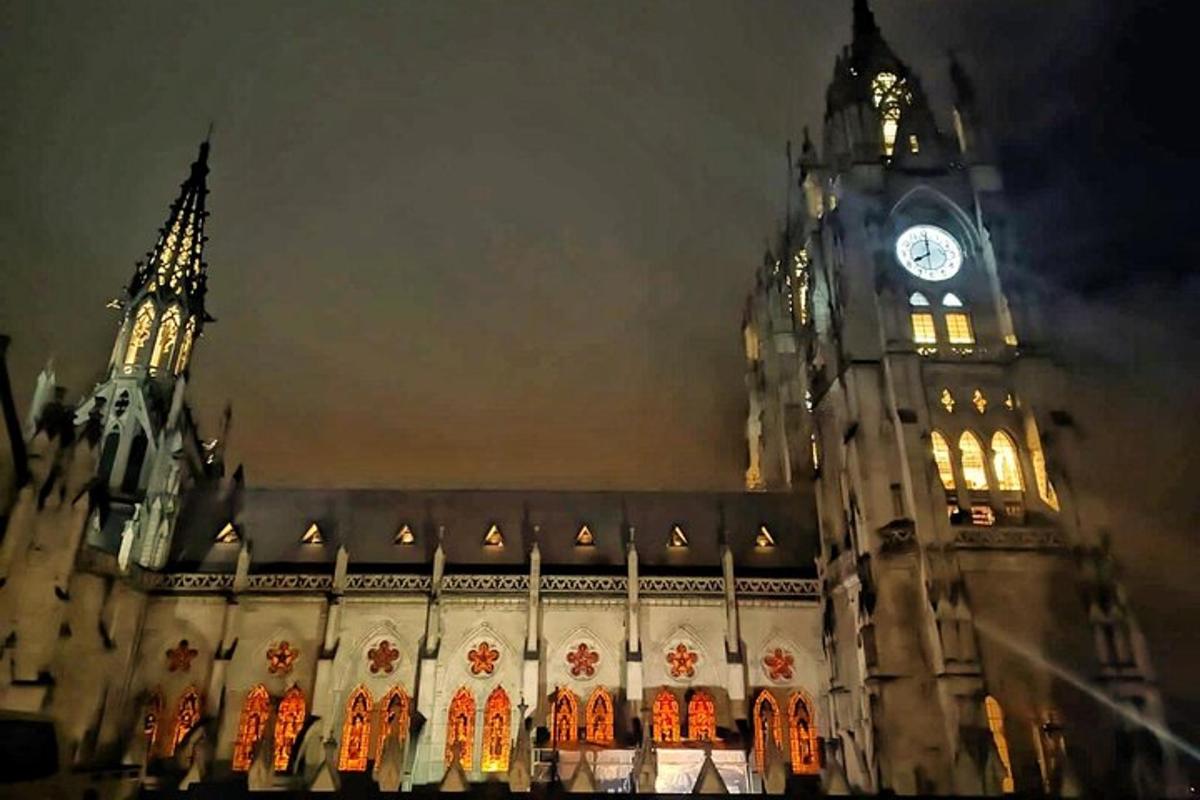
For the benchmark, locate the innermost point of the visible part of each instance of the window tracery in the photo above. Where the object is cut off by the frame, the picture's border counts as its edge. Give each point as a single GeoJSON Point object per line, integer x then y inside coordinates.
{"type": "Point", "coordinates": [766, 724]}
{"type": "Point", "coordinates": [393, 717]}
{"type": "Point", "coordinates": [941, 457]}
{"type": "Point", "coordinates": [460, 728]}
{"type": "Point", "coordinates": [995, 720]}
{"type": "Point", "coordinates": [187, 714]}
{"type": "Point", "coordinates": [253, 721]}
{"type": "Point", "coordinates": [1005, 463]}
{"type": "Point", "coordinates": [887, 90]}
{"type": "Point", "coordinates": [356, 732]}
{"type": "Point", "coordinates": [185, 347]}
{"type": "Point", "coordinates": [564, 728]}
{"type": "Point", "coordinates": [497, 713]}
{"type": "Point", "coordinates": [168, 333]}
{"type": "Point", "coordinates": [702, 717]}
{"type": "Point", "coordinates": [665, 717]}
{"type": "Point", "coordinates": [139, 334]}
{"type": "Point", "coordinates": [804, 742]}
{"type": "Point", "coordinates": [599, 717]}
{"type": "Point", "coordinates": [293, 710]}
{"type": "Point", "coordinates": [971, 455]}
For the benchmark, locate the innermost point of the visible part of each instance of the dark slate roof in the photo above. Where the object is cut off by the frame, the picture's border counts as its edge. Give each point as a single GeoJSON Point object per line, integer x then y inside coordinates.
{"type": "Point", "coordinates": [366, 522]}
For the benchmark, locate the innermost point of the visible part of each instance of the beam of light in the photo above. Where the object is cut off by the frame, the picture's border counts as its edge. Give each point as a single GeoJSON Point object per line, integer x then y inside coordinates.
{"type": "Point", "coordinates": [1031, 654]}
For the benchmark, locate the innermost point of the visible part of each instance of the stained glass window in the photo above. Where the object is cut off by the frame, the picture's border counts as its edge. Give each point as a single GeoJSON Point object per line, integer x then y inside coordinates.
{"type": "Point", "coordinates": [665, 715]}
{"type": "Point", "coordinates": [803, 740]}
{"type": "Point", "coordinates": [168, 332]}
{"type": "Point", "coordinates": [497, 717]}
{"type": "Point", "coordinates": [995, 720]}
{"type": "Point", "coordinates": [256, 709]}
{"type": "Point", "coordinates": [356, 732]}
{"type": "Point", "coordinates": [393, 717]}
{"type": "Point", "coordinates": [151, 718]}
{"type": "Point", "coordinates": [922, 328]}
{"type": "Point", "coordinates": [139, 334]}
{"type": "Point", "coordinates": [187, 714]}
{"type": "Point", "coordinates": [1005, 464]}
{"type": "Point", "coordinates": [1041, 478]}
{"type": "Point", "coordinates": [941, 457]}
{"type": "Point", "coordinates": [460, 728]}
{"type": "Point", "coordinates": [292, 712]}
{"type": "Point", "coordinates": [766, 724]}
{"type": "Point", "coordinates": [701, 717]}
{"type": "Point", "coordinates": [599, 717]}
{"type": "Point", "coordinates": [565, 717]}
{"type": "Point", "coordinates": [185, 347]}
{"type": "Point", "coordinates": [974, 472]}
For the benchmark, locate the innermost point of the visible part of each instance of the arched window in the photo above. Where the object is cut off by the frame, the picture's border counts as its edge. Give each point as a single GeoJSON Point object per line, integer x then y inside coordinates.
{"type": "Point", "coordinates": [133, 463]}
{"type": "Point", "coordinates": [139, 334]}
{"type": "Point", "coordinates": [497, 718]}
{"type": "Point", "coordinates": [803, 739]}
{"type": "Point", "coordinates": [599, 717]}
{"type": "Point", "coordinates": [293, 711]}
{"type": "Point", "coordinates": [564, 717]}
{"type": "Point", "coordinates": [1005, 464]}
{"type": "Point", "coordinates": [766, 724]}
{"type": "Point", "coordinates": [187, 714]}
{"type": "Point", "coordinates": [918, 299]}
{"type": "Point", "coordinates": [168, 333]}
{"type": "Point", "coordinates": [356, 732]}
{"type": "Point", "coordinates": [185, 348]}
{"type": "Point", "coordinates": [1038, 457]}
{"type": "Point", "coordinates": [971, 453]}
{"type": "Point", "coordinates": [995, 720]}
{"type": "Point", "coordinates": [702, 717]}
{"type": "Point", "coordinates": [460, 728]}
{"type": "Point", "coordinates": [886, 92]}
{"type": "Point", "coordinates": [951, 301]}
{"type": "Point", "coordinates": [941, 457]}
{"type": "Point", "coordinates": [151, 717]}
{"type": "Point", "coordinates": [665, 716]}
{"type": "Point", "coordinates": [256, 709]}
{"type": "Point", "coordinates": [393, 717]}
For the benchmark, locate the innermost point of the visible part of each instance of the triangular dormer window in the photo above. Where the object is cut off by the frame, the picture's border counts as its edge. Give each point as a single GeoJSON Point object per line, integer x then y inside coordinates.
{"type": "Point", "coordinates": [764, 537]}
{"type": "Point", "coordinates": [493, 538]}
{"type": "Point", "coordinates": [313, 535]}
{"type": "Point", "coordinates": [678, 537]}
{"type": "Point", "coordinates": [585, 538]}
{"type": "Point", "coordinates": [405, 536]}
{"type": "Point", "coordinates": [228, 535]}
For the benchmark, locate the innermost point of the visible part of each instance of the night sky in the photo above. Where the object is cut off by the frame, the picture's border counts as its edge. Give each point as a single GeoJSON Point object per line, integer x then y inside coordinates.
{"type": "Point", "coordinates": [500, 244]}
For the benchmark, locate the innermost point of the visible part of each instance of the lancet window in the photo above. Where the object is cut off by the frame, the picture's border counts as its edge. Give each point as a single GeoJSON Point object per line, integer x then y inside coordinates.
{"type": "Point", "coordinates": [293, 710]}
{"type": "Point", "coordinates": [151, 719]}
{"type": "Point", "coordinates": [497, 718]}
{"type": "Point", "coordinates": [256, 710]}
{"type": "Point", "coordinates": [701, 717]}
{"type": "Point", "coordinates": [460, 728]}
{"type": "Point", "coordinates": [665, 717]}
{"type": "Point", "coordinates": [187, 714]}
{"type": "Point", "coordinates": [356, 732]}
{"type": "Point", "coordinates": [1038, 457]}
{"type": "Point", "coordinates": [886, 93]}
{"type": "Point", "coordinates": [168, 334]}
{"type": "Point", "coordinates": [139, 334]}
{"type": "Point", "coordinates": [393, 717]}
{"type": "Point", "coordinates": [974, 471]}
{"type": "Point", "coordinates": [564, 724]}
{"type": "Point", "coordinates": [803, 739]}
{"type": "Point", "coordinates": [1005, 463]}
{"type": "Point", "coordinates": [995, 721]}
{"type": "Point", "coordinates": [767, 727]}
{"type": "Point", "coordinates": [941, 457]}
{"type": "Point", "coordinates": [185, 347]}
{"type": "Point", "coordinates": [599, 717]}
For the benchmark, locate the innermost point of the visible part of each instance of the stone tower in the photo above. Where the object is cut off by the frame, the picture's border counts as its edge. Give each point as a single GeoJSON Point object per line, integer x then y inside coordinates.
{"type": "Point", "coordinates": [967, 578]}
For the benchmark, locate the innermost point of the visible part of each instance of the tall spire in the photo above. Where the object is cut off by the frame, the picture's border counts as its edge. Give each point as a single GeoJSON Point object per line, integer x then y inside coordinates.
{"type": "Point", "coordinates": [864, 20]}
{"type": "Point", "coordinates": [175, 267]}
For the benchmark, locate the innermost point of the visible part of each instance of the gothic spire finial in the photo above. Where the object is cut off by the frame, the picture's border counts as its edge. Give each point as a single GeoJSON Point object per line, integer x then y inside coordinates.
{"type": "Point", "coordinates": [864, 20]}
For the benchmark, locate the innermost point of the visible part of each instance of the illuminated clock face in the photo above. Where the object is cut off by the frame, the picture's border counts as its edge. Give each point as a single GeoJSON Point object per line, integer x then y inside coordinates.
{"type": "Point", "coordinates": [929, 252]}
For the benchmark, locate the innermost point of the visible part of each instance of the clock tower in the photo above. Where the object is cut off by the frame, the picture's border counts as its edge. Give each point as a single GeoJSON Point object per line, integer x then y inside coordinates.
{"type": "Point", "coordinates": [977, 639]}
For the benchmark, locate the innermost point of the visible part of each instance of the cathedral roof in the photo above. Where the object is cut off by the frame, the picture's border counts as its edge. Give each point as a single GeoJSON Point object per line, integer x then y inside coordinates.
{"type": "Point", "coordinates": [278, 524]}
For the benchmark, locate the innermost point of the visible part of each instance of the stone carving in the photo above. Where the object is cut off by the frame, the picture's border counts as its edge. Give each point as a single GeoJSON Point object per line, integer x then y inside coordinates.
{"type": "Point", "coordinates": [583, 660]}
{"type": "Point", "coordinates": [779, 664]}
{"type": "Point", "coordinates": [179, 658]}
{"type": "Point", "coordinates": [281, 656]}
{"type": "Point", "coordinates": [383, 658]}
{"type": "Point", "coordinates": [483, 659]}
{"type": "Point", "coordinates": [682, 661]}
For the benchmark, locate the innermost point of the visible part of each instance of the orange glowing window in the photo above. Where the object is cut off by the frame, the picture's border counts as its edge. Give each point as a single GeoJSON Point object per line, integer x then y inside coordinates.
{"type": "Point", "coordinates": [497, 718]}
{"type": "Point", "coordinates": [393, 717]}
{"type": "Point", "coordinates": [151, 718]}
{"type": "Point", "coordinates": [666, 717]}
{"type": "Point", "coordinates": [974, 471]}
{"type": "Point", "coordinates": [702, 717]}
{"type": "Point", "coordinates": [253, 721]}
{"type": "Point", "coordinates": [356, 732]}
{"type": "Point", "coordinates": [187, 714]}
{"type": "Point", "coordinates": [139, 334]}
{"type": "Point", "coordinates": [164, 344]}
{"type": "Point", "coordinates": [292, 712]}
{"type": "Point", "coordinates": [803, 740]}
{"type": "Point", "coordinates": [599, 717]}
{"type": "Point", "coordinates": [460, 728]}
{"type": "Point", "coordinates": [766, 724]}
{"type": "Point", "coordinates": [1005, 463]}
{"type": "Point", "coordinates": [941, 457]}
{"type": "Point", "coordinates": [565, 716]}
